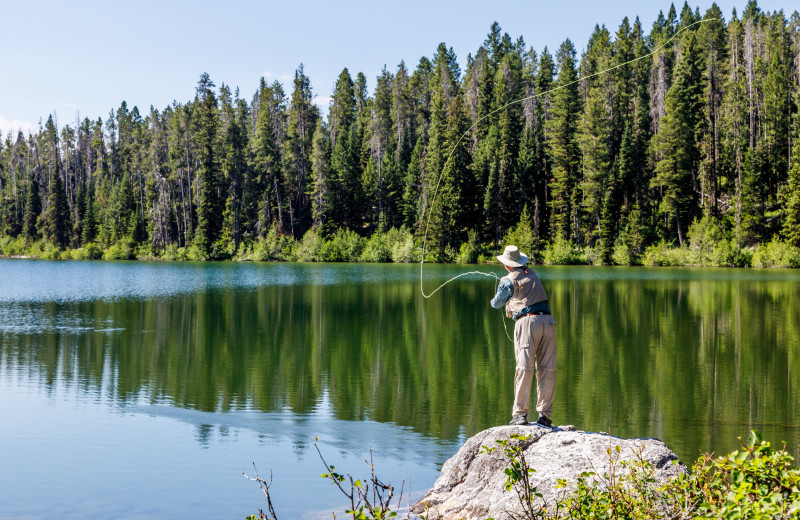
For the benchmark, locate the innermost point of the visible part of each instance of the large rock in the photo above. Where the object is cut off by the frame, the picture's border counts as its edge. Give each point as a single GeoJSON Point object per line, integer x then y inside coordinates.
{"type": "Point", "coordinates": [472, 484]}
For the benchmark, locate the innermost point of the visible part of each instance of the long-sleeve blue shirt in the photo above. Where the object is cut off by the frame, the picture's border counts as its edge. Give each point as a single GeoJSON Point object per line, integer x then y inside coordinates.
{"type": "Point", "coordinates": [505, 289]}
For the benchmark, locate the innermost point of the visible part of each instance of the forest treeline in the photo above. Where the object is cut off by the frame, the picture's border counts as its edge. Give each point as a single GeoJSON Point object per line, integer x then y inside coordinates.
{"type": "Point", "coordinates": [695, 144]}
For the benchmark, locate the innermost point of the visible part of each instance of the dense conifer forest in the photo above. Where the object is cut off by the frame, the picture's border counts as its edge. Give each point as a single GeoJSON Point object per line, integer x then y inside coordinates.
{"type": "Point", "coordinates": [692, 149]}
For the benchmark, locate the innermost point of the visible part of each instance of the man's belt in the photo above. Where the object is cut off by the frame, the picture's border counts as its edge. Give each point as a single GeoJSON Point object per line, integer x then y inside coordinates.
{"type": "Point", "coordinates": [545, 313]}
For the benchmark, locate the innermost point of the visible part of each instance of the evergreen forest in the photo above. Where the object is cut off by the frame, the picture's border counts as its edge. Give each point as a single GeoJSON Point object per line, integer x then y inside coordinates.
{"type": "Point", "coordinates": [694, 150]}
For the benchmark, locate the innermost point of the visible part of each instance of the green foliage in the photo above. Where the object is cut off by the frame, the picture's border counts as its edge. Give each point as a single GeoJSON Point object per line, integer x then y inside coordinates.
{"type": "Point", "coordinates": [404, 250]}
{"type": "Point", "coordinates": [342, 246]}
{"type": "Point", "coordinates": [594, 255]}
{"type": "Point", "coordinates": [776, 254]}
{"type": "Point", "coordinates": [209, 211]}
{"type": "Point", "coordinates": [90, 251]}
{"type": "Point", "coordinates": [369, 498]}
{"type": "Point", "coordinates": [562, 130]}
{"type": "Point", "coordinates": [50, 251]}
{"type": "Point", "coordinates": [661, 254]}
{"type": "Point", "coordinates": [175, 253]}
{"type": "Point", "coordinates": [144, 252]}
{"type": "Point", "coordinates": [10, 246]}
{"type": "Point", "coordinates": [125, 249]}
{"type": "Point", "coordinates": [563, 252]}
{"type": "Point", "coordinates": [524, 237]}
{"type": "Point", "coordinates": [611, 154]}
{"type": "Point", "coordinates": [470, 250]}
{"type": "Point", "coordinates": [377, 249]}
{"type": "Point", "coordinates": [756, 482]}
{"type": "Point", "coordinates": [518, 475]}
{"type": "Point", "coordinates": [272, 246]}
{"type": "Point", "coordinates": [308, 249]}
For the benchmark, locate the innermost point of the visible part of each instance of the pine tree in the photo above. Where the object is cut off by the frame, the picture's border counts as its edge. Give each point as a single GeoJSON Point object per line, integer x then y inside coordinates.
{"type": "Point", "coordinates": [382, 147]}
{"type": "Point", "coordinates": [321, 194]}
{"type": "Point", "coordinates": [234, 160]}
{"type": "Point", "coordinates": [403, 117]}
{"type": "Point", "coordinates": [791, 220]}
{"type": "Point", "coordinates": [89, 227]}
{"type": "Point", "coordinates": [447, 222]}
{"type": "Point", "coordinates": [297, 146]}
{"type": "Point", "coordinates": [713, 44]}
{"type": "Point", "coordinates": [542, 163]}
{"type": "Point", "coordinates": [507, 118]}
{"type": "Point", "coordinates": [210, 209]}
{"type": "Point", "coordinates": [444, 87]}
{"type": "Point", "coordinates": [57, 224]}
{"type": "Point", "coordinates": [776, 113]}
{"type": "Point", "coordinates": [735, 128]}
{"type": "Point", "coordinates": [676, 170]}
{"type": "Point", "coordinates": [635, 180]}
{"type": "Point", "coordinates": [344, 153]}
{"type": "Point", "coordinates": [412, 204]}
{"type": "Point", "coordinates": [562, 131]}
{"type": "Point", "coordinates": [594, 135]}
{"type": "Point", "coordinates": [264, 200]}
{"type": "Point", "coordinates": [33, 210]}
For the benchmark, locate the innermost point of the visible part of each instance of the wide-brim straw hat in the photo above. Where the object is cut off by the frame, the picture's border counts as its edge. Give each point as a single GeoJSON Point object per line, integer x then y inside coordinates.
{"type": "Point", "coordinates": [513, 257]}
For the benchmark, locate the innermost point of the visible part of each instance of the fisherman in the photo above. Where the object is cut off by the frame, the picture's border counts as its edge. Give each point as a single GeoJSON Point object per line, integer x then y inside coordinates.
{"type": "Point", "coordinates": [522, 294]}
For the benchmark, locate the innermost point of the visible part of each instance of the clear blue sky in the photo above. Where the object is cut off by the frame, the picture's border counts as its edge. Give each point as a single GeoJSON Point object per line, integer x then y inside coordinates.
{"type": "Point", "coordinates": [85, 57]}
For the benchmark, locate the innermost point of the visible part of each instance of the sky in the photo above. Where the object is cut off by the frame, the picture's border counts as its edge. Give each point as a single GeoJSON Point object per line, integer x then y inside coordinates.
{"type": "Point", "coordinates": [82, 59]}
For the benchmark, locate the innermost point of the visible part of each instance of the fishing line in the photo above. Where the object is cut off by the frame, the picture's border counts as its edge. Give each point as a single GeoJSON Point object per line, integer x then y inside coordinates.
{"type": "Point", "coordinates": [534, 96]}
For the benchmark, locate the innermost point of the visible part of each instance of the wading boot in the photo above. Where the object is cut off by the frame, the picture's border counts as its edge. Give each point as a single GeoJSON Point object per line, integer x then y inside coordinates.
{"type": "Point", "coordinates": [544, 421]}
{"type": "Point", "coordinates": [519, 420]}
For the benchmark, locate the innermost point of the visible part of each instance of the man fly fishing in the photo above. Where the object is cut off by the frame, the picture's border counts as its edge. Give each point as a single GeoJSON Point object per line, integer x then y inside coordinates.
{"type": "Point", "coordinates": [525, 300]}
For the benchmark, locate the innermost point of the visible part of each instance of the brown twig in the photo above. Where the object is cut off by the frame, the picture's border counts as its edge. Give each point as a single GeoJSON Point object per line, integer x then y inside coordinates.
{"type": "Point", "coordinates": [264, 485]}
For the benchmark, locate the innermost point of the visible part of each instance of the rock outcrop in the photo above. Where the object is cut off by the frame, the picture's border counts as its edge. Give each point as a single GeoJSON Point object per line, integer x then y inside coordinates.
{"type": "Point", "coordinates": [472, 482]}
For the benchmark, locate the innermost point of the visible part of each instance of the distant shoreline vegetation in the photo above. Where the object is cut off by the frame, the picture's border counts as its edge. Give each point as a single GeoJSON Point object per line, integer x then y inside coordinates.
{"type": "Point", "coordinates": [704, 249]}
{"type": "Point", "coordinates": [688, 156]}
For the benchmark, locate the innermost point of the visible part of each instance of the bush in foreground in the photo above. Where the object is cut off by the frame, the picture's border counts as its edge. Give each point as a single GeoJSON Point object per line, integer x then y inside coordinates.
{"type": "Point", "coordinates": [756, 482]}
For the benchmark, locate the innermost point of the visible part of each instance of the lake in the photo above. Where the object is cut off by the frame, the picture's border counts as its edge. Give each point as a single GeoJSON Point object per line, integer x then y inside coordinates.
{"type": "Point", "coordinates": [144, 390]}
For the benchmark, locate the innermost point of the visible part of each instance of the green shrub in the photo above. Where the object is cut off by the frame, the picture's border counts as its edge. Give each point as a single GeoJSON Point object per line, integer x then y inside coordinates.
{"type": "Point", "coordinates": [728, 253]}
{"type": "Point", "coordinates": [523, 236]}
{"type": "Point", "coordinates": [144, 251]}
{"type": "Point", "coordinates": [563, 252]}
{"type": "Point", "coordinates": [34, 249]}
{"type": "Point", "coordinates": [593, 255]}
{"type": "Point", "coordinates": [272, 246]}
{"type": "Point", "coordinates": [222, 249]}
{"type": "Point", "coordinates": [705, 236]}
{"type": "Point", "coordinates": [661, 254]}
{"type": "Point", "coordinates": [195, 252]}
{"type": "Point", "coordinates": [175, 253]}
{"type": "Point", "coordinates": [377, 249]}
{"type": "Point", "coordinates": [486, 258]}
{"type": "Point", "coordinates": [470, 250]}
{"type": "Point", "coordinates": [757, 482]}
{"type": "Point", "coordinates": [90, 251]}
{"type": "Point", "coordinates": [629, 245]}
{"type": "Point", "coordinates": [623, 253]}
{"type": "Point", "coordinates": [343, 246]}
{"type": "Point", "coordinates": [12, 246]}
{"type": "Point", "coordinates": [776, 254]}
{"type": "Point", "coordinates": [403, 248]}
{"type": "Point", "coordinates": [124, 249]}
{"type": "Point", "coordinates": [50, 252]}
{"type": "Point", "coordinates": [441, 255]}
{"type": "Point", "coordinates": [309, 247]}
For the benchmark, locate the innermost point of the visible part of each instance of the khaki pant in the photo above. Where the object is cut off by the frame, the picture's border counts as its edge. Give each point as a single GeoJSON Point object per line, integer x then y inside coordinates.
{"type": "Point", "coordinates": [535, 349]}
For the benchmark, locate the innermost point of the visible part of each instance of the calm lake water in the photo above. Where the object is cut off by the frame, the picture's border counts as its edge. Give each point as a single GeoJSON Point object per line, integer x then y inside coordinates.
{"type": "Point", "coordinates": [143, 390]}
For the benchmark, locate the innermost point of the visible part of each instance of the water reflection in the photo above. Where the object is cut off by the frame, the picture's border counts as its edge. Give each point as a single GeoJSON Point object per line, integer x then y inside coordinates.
{"type": "Point", "coordinates": [695, 358]}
